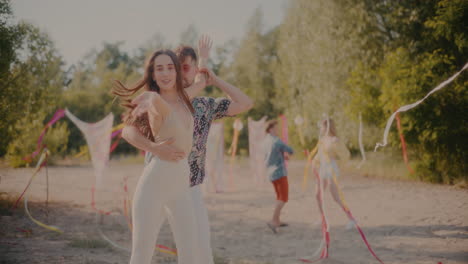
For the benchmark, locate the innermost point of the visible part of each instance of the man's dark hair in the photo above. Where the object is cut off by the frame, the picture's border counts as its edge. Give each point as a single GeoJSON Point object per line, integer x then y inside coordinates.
{"type": "Point", "coordinates": [183, 51]}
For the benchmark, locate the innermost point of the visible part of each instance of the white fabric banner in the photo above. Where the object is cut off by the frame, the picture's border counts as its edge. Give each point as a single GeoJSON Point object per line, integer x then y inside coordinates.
{"type": "Point", "coordinates": [98, 138]}
{"type": "Point", "coordinates": [215, 173]}
{"type": "Point", "coordinates": [257, 153]}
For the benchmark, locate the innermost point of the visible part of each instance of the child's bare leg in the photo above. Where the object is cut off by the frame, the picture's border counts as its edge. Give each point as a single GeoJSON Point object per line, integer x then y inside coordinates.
{"type": "Point", "coordinates": [319, 194]}
{"type": "Point", "coordinates": [325, 184]}
{"type": "Point", "coordinates": [276, 214]}
{"type": "Point", "coordinates": [336, 196]}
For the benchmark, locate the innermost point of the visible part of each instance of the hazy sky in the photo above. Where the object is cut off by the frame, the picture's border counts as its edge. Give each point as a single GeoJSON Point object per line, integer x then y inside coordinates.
{"type": "Point", "coordinates": [77, 26]}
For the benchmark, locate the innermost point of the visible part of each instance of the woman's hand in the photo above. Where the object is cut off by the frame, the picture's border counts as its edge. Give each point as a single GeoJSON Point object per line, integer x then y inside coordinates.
{"type": "Point", "coordinates": [145, 103]}
{"type": "Point", "coordinates": [164, 150]}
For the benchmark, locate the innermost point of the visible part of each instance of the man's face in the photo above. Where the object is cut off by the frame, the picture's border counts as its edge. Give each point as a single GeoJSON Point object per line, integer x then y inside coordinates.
{"type": "Point", "coordinates": [189, 70]}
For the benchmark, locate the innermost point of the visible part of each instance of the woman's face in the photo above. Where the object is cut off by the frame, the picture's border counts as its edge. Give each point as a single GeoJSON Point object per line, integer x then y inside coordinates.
{"type": "Point", "coordinates": [164, 72]}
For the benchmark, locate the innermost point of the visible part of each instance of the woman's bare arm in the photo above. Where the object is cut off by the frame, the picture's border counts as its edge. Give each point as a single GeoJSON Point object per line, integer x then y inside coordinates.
{"type": "Point", "coordinates": [163, 150]}
{"type": "Point", "coordinates": [157, 109]}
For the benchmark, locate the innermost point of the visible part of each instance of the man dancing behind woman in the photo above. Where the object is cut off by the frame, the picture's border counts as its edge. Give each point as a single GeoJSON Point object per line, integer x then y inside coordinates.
{"type": "Point", "coordinates": [169, 114]}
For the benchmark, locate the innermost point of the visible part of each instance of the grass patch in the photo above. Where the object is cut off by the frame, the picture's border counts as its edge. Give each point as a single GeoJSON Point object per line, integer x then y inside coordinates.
{"type": "Point", "coordinates": [462, 184]}
{"type": "Point", "coordinates": [382, 165]}
{"type": "Point", "coordinates": [220, 260]}
{"type": "Point", "coordinates": [129, 159]}
{"type": "Point", "coordinates": [88, 243]}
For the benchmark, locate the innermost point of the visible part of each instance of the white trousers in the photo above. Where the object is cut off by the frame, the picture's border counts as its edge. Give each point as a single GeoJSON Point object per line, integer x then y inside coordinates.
{"type": "Point", "coordinates": [163, 190]}
{"type": "Point", "coordinates": [201, 243]}
{"type": "Point", "coordinates": [162, 185]}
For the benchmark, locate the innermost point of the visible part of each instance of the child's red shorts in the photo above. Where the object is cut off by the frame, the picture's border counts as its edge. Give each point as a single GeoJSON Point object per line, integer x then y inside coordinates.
{"type": "Point", "coordinates": [281, 189]}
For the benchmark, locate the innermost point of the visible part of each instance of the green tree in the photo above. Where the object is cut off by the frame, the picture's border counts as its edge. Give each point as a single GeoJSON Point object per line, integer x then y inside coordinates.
{"type": "Point", "coordinates": [251, 71]}
{"type": "Point", "coordinates": [31, 79]}
{"type": "Point", "coordinates": [25, 143]}
{"type": "Point", "coordinates": [419, 44]}
{"type": "Point", "coordinates": [318, 46]}
{"type": "Point", "coordinates": [155, 42]}
{"type": "Point", "coordinates": [88, 95]}
{"type": "Point", "coordinates": [11, 101]}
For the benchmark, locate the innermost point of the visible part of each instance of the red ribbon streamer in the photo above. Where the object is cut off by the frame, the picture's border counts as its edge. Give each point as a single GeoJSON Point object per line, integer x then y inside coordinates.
{"type": "Point", "coordinates": [403, 144]}
{"type": "Point", "coordinates": [116, 143]}
{"type": "Point", "coordinates": [29, 183]}
{"type": "Point", "coordinates": [348, 212]}
{"type": "Point", "coordinates": [166, 248]}
{"type": "Point", "coordinates": [326, 235]}
{"type": "Point", "coordinates": [93, 203]}
{"type": "Point", "coordinates": [325, 232]}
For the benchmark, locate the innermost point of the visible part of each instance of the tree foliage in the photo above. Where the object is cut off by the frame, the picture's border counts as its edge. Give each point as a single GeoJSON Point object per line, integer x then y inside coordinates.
{"type": "Point", "coordinates": [31, 79]}
{"type": "Point", "coordinates": [331, 58]}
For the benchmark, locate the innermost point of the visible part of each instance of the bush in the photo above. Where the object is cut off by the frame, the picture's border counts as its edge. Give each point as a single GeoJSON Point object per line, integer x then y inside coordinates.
{"type": "Point", "coordinates": [28, 130]}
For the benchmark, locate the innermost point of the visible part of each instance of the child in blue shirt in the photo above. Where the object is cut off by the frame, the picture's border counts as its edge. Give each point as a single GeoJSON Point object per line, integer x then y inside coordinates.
{"type": "Point", "coordinates": [278, 174]}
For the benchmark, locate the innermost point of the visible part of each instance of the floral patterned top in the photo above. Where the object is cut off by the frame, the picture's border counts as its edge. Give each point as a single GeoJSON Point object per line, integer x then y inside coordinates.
{"type": "Point", "coordinates": [207, 109]}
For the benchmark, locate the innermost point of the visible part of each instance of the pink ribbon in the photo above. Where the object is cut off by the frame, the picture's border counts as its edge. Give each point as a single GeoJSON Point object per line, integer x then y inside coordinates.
{"type": "Point", "coordinates": [115, 144]}
{"type": "Point", "coordinates": [115, 133]}
{"type": "Point", "coordinates": [326, 234]}
{"type": "Point", "coordinates": [57, 116]}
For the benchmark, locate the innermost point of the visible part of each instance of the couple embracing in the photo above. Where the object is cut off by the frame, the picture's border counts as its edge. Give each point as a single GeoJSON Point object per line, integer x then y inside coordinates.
{"type": "Point", "coordinates": [170, 123]}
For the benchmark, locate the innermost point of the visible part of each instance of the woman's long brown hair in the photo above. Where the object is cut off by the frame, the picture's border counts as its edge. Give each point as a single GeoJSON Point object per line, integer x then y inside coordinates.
{"type": "Point", "coordinates": [149, 84]}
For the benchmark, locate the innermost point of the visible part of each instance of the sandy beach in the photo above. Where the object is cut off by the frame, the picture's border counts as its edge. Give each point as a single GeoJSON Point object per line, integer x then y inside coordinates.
{"type": "Point", "coordinates": [404, 221]}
